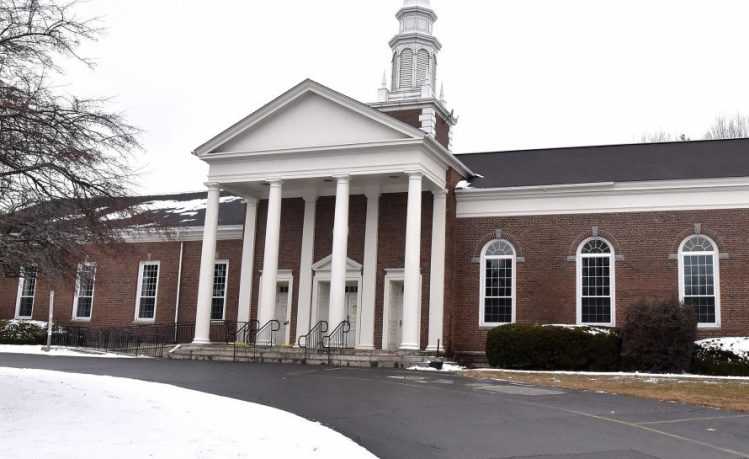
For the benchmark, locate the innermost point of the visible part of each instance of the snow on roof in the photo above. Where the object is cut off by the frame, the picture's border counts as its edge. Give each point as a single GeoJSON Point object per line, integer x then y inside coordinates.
{"type": "Point", "coordinates": [185, 210]}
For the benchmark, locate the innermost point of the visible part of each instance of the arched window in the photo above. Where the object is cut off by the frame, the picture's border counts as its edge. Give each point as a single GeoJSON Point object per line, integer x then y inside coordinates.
{"type": "Point", "coordinates": [406, 73]}
{"type": "Point", "coordinates": [595, 282]}
{"type": "Point", "coordinates": [498, 261]}
{"type": "Point", "coordinates": [422, 68]}
{"type": "Point", "coordinates": [699, 285]}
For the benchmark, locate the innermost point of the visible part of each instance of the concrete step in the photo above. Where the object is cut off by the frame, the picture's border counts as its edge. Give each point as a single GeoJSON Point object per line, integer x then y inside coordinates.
{"type": "Point", "coordinates": [348, 357]}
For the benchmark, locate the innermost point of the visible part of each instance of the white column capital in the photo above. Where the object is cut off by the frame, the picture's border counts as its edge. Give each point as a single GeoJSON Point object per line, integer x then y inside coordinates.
{"type": "Point", "coordinates": [342, 178]}
{"type": "Point", "coordinates": [439, 193]}
{"type": "Point", "coordinates": [414, 175]}
{"type": "Point", "coordinates": [250, 201]}
{"type": "Point", "coordinates": [212, 186]}
{"type": "Point", "coordinates": [274, 182]}
{"type": "Point", "coordinates": [372, 191]}
{"type": "Point", "coordinates": [310, 196]}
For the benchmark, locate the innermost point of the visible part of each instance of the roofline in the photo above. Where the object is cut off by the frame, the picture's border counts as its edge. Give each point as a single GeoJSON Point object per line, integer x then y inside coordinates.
{"type": "Point", "coordinates": [614, 145]}
{"type": "Point", "coordinates": [280, 101]}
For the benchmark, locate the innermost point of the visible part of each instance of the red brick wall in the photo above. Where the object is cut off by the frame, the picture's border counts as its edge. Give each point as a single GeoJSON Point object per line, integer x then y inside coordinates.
{"type": "Point", "coordinates": [546, 281]}
{"type": "Point", "coordinates": [117, 283]}
{"type": "Point", "coordinates": [411, 117]}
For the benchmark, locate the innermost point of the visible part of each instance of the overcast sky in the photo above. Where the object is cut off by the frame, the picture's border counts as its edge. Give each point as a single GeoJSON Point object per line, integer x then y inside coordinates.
{"type": "Point", "coordinates": [519, 73]}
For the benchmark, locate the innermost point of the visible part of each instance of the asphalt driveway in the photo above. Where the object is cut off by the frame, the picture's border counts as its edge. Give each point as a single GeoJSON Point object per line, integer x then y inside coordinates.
{"type": "Point", "coordinates": [402, 414]}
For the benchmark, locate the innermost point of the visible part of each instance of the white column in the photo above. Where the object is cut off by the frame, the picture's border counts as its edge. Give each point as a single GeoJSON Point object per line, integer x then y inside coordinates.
{"type": "Point", "coordinates": [411, 267]}
{"type": "Point", "coordinates": [437, 272]}
{"type": "Point", "coordinates": [369, 274]}
{"type": "Point", "coordinates": [268, 283]}
{"type": "Point", "coordinates": [304, 307]}
{"type": "Point", "coordinates": [248, 259]}
{"type": "Point", "coordinates": [207, 266]}
{"type": "Point", "coordinates": [337, 311]}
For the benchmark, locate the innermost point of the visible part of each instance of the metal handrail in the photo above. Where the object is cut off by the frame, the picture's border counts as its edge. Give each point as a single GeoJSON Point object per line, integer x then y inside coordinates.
{"type": "Point", "coordinates": [337, 339]}
{"type": "Point", "coordinates": [313, 339]}
{"type": "Point", "coordinates": [269, 328]}
{"type": "Point", "coordinates": [248, 332]}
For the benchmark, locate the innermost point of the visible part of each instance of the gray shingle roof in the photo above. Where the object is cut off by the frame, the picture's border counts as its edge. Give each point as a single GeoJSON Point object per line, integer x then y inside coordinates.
{"type": "Point", "coordinates": [610, 163]}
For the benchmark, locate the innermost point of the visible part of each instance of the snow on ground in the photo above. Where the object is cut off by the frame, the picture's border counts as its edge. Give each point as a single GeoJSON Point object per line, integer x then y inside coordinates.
{"type": "Point", "coordinates": [66, 415]}
{"type": "Point", "coordinates": [448, 367]}
{"type": "Point", "coordinates": [738, 346]}
{"type": "Point", "coordinates": [589, 329]}
{"type": "Point", "coordinates": [37, 323]}
{"type": "Point", "coordinates": [54, 351]}
{"type": "Point", "coordinates": [652, 376]}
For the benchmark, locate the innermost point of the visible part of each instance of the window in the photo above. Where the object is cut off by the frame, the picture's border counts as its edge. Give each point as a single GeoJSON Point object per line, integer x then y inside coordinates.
{"type": "Point", "coordinates": [218, 302]}
{"type": "Point", "coordinates": [26, 291]}
{"type": "Point", "coordinates": [148, 287]}
{"type": "Point", "coordinates": [699, 285]}
{"type": "Point", "coordinates": [595, 283]}
{"type": "Point", "coordinates": [498, 261]}
{"type": "Point", "coordinates": [84, 291]}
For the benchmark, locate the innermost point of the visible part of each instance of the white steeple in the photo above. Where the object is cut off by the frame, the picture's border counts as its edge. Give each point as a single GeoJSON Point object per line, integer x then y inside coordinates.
{"type": "Point", "coordinates": [413, 86]}
{"type": "Point", "coordinates": [415, 51]}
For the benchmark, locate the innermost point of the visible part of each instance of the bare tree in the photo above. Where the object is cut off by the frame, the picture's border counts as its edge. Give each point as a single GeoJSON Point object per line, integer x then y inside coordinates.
{"type": "Point", "coordinates": [725, 128]}
{"type": "Point", "coordinates": [662, 136]}
{"type": "Point", "coordinates": [64, 160]}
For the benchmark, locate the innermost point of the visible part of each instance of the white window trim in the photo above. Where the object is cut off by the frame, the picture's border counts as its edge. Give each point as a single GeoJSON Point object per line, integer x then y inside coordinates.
{"type": "Point", "coordinates": [612, 281]}
{"type": "Point", "coordinates": [482, 283]}
{"type": "Point", "coordinates": [143, 264]}
{"type": "Point", "coordinates": [716, 276]}
{"type": "Point", "coordinates": [21, 280]}
{"type": "Point", "coordinates": [226, 289]}
{"type": "Point", "coordinates": [75, 316]}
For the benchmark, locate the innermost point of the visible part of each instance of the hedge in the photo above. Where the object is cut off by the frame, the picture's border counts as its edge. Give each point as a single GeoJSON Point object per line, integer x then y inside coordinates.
{"type": "Point", "coordinates": [21, 332]}
{"type": "Point", "coordinates": [718, 362]}
{"type": "Point", "coordinates": [535, 347]}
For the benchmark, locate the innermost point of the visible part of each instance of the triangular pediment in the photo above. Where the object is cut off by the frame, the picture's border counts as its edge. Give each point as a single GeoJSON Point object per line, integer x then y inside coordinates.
{"type": "Point", "coordinates": [324, 265]}
{"type": "Point", "coordinates": [310, 116]}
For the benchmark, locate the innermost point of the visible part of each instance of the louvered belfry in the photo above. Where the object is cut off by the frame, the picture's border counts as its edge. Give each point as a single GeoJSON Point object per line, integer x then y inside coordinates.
{"type": "Point", "coordinates": [413, 96]}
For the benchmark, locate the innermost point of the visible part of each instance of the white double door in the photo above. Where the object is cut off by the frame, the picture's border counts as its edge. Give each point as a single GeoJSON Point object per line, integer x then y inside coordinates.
{"type": "Point", "coordinates": [352, 309]}
{"type": "Point", "coordinates": [281, 337]}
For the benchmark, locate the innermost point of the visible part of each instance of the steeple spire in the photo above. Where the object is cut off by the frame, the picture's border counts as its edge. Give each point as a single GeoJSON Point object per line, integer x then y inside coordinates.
{"type": "Point", "coordinates": [413, 87]}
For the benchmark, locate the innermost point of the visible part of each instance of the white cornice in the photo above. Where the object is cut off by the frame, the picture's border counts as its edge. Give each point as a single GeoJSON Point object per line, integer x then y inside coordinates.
{"type": "Point", "coordinates": [185, 234]}
{"type": "Point", "coordinates": [649, 196]}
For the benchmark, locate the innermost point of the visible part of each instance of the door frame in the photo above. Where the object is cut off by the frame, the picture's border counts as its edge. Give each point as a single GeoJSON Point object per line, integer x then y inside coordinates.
{"type": "Point", "coordinates": [283, 276]}
{"type": "Point", "coordinates": [394, 275]}
{"type": "Point", "coordinates": [321, 273]}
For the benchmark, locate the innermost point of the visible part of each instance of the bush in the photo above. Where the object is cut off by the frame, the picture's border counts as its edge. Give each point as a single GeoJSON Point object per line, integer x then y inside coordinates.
{"type": "Point", "coordinates": [22, 332]}
{"type": "Point", "coordinates": [535, 347]}
{"type": "Point", "coordinates": [721, 357]}
{"type": "Point", "coordinates": [658, 337]}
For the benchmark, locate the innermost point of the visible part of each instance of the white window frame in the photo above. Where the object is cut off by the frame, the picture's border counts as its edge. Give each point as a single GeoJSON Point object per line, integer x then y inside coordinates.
{"type": "Point", "coordinates": [226, 289]}
{"type": "Point", "coordinates": [482, 282]}
{"type": "Point", "coordinates": [612, 280]}
{"type": "Point", "coordinates": [19, 295]}
{"type": "Point", "coordinates": [716, 276]}
{"type": "Point", "coordinates": [76, 295]}
{"type": "Point", "coordinates": [143, 264]}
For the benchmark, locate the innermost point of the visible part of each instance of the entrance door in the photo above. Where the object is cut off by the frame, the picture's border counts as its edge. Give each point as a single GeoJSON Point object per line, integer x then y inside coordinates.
{"type": "Point", "coordinates": [282, 303]}
{"type": "Point", "coordinates": [395, 316]}
{"type": "Point", "coordinates": [352, 313]}
{"type": "Point", "coordinates": [323, 302]}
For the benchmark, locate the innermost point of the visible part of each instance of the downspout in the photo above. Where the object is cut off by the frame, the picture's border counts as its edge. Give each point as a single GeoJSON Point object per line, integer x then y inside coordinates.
{"type": "Point", "coordinates": [179, 279]}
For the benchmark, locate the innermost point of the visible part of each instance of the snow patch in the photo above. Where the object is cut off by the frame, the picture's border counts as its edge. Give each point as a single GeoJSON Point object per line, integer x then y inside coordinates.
{"type": "Point", "coordinates": [447, 367]}
{"type": "Point", "coordinates": [183, 208]}
{"type": "Point", "coordinates": [463, 185]}
{"type": "Point", "coordinates": [589, 329]}
{"type": "Point", "coordinates": [737, 346]}
{"type": "Point", "coordinates": [35, 349]}
{"type": "Point", "coordinates": [128, 418]}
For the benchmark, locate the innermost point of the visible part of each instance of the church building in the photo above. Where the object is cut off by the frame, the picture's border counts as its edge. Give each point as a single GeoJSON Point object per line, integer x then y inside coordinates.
{"type": "Point", "coordinates": [321, 208]}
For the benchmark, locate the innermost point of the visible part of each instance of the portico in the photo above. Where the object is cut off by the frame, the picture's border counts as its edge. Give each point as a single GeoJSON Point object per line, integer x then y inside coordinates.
{"type": "Point", "coordinates": [313, 143]}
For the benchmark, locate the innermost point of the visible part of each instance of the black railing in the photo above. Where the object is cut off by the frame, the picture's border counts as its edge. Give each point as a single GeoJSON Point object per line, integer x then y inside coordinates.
{"type": "Point", "coordinates": [337, 339]}
{"type": "Point", "coordinates": [139, 339]}
{"type": "Point", "coordinates": [265, 335]}
{"type": "Point", "coordinates": [245, 335]}
{"type": "Point", "coordinates": [313, 339]}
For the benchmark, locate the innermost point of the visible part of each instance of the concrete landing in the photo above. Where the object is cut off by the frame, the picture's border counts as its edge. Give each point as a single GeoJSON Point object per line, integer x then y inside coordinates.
{"type": "Point", "coordinates": [345, 358]}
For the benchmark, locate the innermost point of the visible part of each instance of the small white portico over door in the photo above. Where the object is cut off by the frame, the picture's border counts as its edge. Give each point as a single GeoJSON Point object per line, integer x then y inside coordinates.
{"type": "Point", "coordinates": [312, 142]}
{"type": "Point", "coordinates": [321, 285]}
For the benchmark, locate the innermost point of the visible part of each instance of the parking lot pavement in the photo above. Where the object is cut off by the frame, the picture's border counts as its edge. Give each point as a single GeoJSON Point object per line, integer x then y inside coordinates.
{"type": "Point", "coordinates": [402, 414]}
